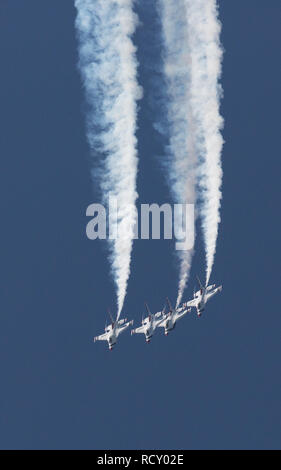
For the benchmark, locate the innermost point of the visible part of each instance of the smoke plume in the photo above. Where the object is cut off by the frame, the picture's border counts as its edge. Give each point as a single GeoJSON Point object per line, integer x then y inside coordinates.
{"type": "Point", "coordinates": [192, 67]}
{"type": "Point", "coordinates": [108, 67]}
{"type": "Point", "coordinates": [181, 152]}
{"type": "Point", "coordinates": [206, 56]}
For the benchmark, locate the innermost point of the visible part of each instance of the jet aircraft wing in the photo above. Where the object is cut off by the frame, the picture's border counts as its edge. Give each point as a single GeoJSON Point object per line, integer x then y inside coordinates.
{"type": "Point", "coordinates": [212, 293]}
{"type": "Point", "coordinates": [124, 327]}
{"type": "Point", "coordinates": [190, 303]}
{"type": "Point", "coordinates": [140, 329]}
{"type": "Point", "coordinates": [158, 314]}
{"type": "Point", "coordinates": [101, 337]}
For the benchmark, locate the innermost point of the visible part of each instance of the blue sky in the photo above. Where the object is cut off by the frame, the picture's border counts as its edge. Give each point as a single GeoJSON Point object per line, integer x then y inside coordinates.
{"type": "Point", "coordinates": [215, 381]}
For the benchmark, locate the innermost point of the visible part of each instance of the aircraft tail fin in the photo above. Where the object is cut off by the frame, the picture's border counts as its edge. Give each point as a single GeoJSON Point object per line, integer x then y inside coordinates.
{"type": "Point", "coordinates": [111, 318]}
{"type": "Point", "coordinates": [169, 304]}
{"type": "Point", "coordinates": [147, 308]}
{"type": "Point", "coordinates": [199, 282]}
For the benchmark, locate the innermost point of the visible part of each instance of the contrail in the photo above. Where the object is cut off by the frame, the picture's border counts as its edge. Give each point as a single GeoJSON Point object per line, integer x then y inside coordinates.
{"type": "Point", "coordinates": [108, 67]}
{"type": "Point", "coordinates": [206, 56]}
{"type": "Point", "coordinates": [192, 65]}
{"type": "Point", "coordinates": [181, 151]}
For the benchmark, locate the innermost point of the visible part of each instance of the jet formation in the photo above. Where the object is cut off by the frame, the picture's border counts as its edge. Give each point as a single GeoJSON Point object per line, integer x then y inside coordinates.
{"type": "Point", "coordinates": [162, 319]}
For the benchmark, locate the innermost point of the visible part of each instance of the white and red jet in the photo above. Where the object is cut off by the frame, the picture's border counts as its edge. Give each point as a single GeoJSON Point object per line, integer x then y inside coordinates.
{"type": "Point", "coordinates": [173, 315]}
{"type": "Point", "coordinates": [201, 297]}
{"type": "Point", "coordinates": [113, 330]}
{"type": "Point", "coordinates": [149, 324]}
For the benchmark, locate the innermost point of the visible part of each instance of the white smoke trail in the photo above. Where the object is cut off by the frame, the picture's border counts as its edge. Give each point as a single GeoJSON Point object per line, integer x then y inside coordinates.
{"type": "Point", "coordinates": [108, 67]}
{"type": "Point", "coordinates": [206, 56]}
{"type": "Point", "coordinates": [182, 159]}
{"type": "Point", "coordinates": [192, 66]}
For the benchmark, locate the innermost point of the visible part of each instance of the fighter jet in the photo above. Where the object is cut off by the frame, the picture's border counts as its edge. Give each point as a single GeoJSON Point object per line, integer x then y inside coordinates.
{"type": "Point", "coordinates": [113, 330]}
{"type": "Point", "coordinates": [149, 324]}
{"type": "Point", "coordinates": [201, 297]}
{"type": "Point", "coordinates": [170, 318]}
